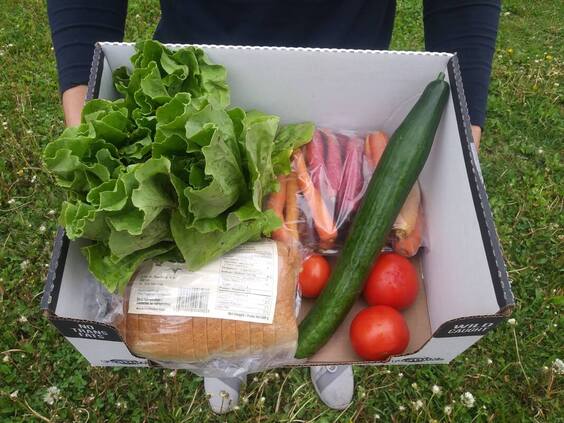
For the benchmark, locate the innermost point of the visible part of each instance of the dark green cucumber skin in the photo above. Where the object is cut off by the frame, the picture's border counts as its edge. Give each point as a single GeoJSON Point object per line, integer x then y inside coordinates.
{"type": "Point", "coordinates": [395, 175]}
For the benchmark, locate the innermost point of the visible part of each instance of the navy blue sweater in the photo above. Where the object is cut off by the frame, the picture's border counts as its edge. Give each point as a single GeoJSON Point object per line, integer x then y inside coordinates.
{"type": "Point", "coordinates": [468, 27]}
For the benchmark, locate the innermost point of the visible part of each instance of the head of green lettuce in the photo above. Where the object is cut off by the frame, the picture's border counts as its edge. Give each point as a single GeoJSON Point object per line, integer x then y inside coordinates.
{"type": "Point", "coordinates": [170, 171]}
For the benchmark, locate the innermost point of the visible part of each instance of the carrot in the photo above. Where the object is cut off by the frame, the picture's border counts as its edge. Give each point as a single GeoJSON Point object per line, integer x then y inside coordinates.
{"type": "Point", "coordinates": [405, 221]}
{"type": "Point", "coordinates": [276, 203]}
{"type": "Point", "coordinates": [409, 246]}
{"type": "Point", "coordinates": [334, 162]}
{"type": "Point", "coordinates": [322, 219]}
{"type": "Point", "coordinates": [315, 160]}
{"type": "Point", "coordinates": [352, 182]}
{"type": "Point", "coordinates": [292, 211]}
{"type": "Point", "coordinates": [374, 147]}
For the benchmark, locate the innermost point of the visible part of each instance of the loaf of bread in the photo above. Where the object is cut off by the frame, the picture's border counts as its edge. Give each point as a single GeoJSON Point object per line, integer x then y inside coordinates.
{"type": "Point", "coordinates": [193, 339]}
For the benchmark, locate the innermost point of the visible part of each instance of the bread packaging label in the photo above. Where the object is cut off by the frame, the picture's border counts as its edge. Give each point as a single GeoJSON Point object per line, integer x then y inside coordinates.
{"type": "Point", "coordinates": [241, 285]}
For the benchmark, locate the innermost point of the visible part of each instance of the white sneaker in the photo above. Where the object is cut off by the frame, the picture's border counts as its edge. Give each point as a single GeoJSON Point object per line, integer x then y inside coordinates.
{"type": "Point", "coordinates": [223, 393]}
{"type": "Point", "coordinates": [334, 385]}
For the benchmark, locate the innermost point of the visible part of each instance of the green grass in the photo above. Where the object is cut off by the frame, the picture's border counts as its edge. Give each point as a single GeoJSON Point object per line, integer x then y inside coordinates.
{"type": "Point", "coordinates": [521, 157]}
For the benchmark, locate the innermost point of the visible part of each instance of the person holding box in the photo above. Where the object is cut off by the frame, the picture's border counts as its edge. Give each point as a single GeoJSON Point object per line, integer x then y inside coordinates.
{"type": "Point", "coordinates": [467, 27]}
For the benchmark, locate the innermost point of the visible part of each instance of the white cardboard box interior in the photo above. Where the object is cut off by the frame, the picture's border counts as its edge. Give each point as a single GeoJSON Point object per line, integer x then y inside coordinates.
{"type": "Point", "coordinates": [359, 90]}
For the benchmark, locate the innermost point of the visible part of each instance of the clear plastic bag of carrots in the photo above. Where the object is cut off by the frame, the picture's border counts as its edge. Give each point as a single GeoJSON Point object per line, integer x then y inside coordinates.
{"type": "Point", "coordinates": [319, 199]}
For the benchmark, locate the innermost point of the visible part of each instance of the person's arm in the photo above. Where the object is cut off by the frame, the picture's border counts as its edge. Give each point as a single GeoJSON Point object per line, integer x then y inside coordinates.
{"type": "Point", "coordinates": [468, 27]}
{"type": "Point", "coordinates": [75, 26]}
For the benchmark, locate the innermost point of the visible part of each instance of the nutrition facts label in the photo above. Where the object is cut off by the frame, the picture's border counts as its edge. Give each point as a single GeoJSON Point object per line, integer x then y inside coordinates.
{"type": "Point", "coordinates": [241, 285]}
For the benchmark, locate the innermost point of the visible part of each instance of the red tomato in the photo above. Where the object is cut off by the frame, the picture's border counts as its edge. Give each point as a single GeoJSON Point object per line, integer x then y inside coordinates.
{"type": "Point", "coordinates": [378, 332]}
{"type": "Point", "coordinates": [393, 282]}
{"type": "Point", "coordinates": [314, 275]}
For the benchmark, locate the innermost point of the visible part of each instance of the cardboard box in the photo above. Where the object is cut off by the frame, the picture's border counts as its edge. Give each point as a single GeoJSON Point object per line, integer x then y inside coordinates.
{"type": "Point", "coordinates": [466, 291]}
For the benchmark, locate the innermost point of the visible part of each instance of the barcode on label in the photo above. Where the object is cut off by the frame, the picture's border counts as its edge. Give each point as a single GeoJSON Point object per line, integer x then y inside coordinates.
{"type": "Point", "coordinates": [192, 299]}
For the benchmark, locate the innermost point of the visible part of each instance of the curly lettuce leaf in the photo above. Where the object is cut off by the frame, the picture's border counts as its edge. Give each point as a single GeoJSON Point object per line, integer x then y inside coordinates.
{"type": "Point", "coordinates": [116, 274]}
{"type": "Point", "coordinates": [258, 142]}
{"type": "Point", "coordinates": [199, 248]}
{"type": "Point", "coordinates": [169, 170]}
{"type": "Point", "coordinates": [288, 139]}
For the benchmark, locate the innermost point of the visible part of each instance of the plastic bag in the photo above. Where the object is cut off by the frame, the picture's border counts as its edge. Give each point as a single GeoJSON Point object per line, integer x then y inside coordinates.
{"type": "Point", "coordinates": [101, 305]}
{"type": "Point", "coordinates": [319, 199]}
{"type": "Point", "coordinates": [217, 347]}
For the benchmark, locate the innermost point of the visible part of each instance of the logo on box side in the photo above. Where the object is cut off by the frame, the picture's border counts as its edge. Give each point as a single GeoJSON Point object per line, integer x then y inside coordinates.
{"type": "Point", "coordinates": [86, 330]}
{"type": "Point", "coordinates": [471, 326]}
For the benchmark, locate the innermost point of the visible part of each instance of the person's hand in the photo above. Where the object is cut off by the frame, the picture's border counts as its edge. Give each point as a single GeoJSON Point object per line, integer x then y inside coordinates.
{"type": "Point", "coordinates": [476, 134]}
{"type": "Point", "coordinates": [73, 102]}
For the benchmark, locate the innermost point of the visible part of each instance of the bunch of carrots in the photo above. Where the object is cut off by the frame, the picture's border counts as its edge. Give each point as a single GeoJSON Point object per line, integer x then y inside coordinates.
{"type": "Point", "coordinates": [330, 175]}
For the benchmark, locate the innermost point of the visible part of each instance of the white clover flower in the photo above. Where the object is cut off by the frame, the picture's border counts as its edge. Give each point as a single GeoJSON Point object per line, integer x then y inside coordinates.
{"type": "Point", "coordinates": [512, 322]}
{"type": "Point", "coordinates": [467, 399]}
{"type": "Point", "coordinates": [42, 228]}
{"type": "Point", "coordinates": [400, 375]}
{"type": "Point", "coordinates": [33, 179]}
{"type": "Point", "coordinates": [11, 201]}
{"type": "Point", "coordinates": [29, 131]}
{"type": "Point", "coordinates": [376, 416]}
{"type": "Point", "coordinates": [6, 358]}
{"type": "Point", "coordinates": [14, 394]}
{"type": "Point", "coordinates": [401, 408]}
{"type": "Point", "coordinates": [558, 366]}
{"type": "Point", "coordinates": [277, 375]}
{"type": "Point", "coordinates": [22, 319]}
{"type": "Point", "coordinates": [173, 373]}
{"type": "Point", "coordinates": [418, 404]}
{"type": "Point", "coordinates": [363, 395]}
{"type": "Point", "coordinates": [448, 410]}
{"type": "Point", "coordinates": [53, 394]}
{"type": "Point", "coordinates": [262, 399]}
{"type": "Point", "coordinates": [387, 371]}
{"type": "Point", "coordinates": [414, 385]}
{"type": "Point", "coordinates": [255, 379]}
{"type": "Point", "coordinates": [489, 361]}
{"type": "Point", "coordinates": [245, 400]}
{"type": "Point", "coordinates": [506, 13]}
{"type": "Point", "coordinates": [24, 264]}
{"type": "Point", "coordinates": [436, 389]}
{"type": "Point", "coordinates": [545, 369]}
{"type": "Point", "coordinates": [540, 151]}
{"type": "Point", "coordinates": [236, 408]}
{"type": "Point", "coordinates": [118, 404]}
{"type": "Point", "coordinates": [51, 212]}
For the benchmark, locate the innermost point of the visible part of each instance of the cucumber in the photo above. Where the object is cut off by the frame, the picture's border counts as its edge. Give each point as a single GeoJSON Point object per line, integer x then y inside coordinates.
{"type": "Point", "coordinates": [389, 186]}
